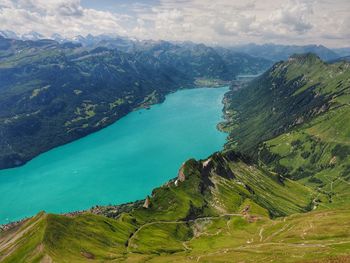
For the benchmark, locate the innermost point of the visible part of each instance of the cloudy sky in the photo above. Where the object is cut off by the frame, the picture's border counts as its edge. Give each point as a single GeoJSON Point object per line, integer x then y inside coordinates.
{"type": "Point", "coordinates": [225, 22]}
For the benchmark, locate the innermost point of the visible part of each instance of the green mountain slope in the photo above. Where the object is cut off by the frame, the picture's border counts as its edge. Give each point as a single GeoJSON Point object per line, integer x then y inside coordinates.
{"type": "Point", "coordinates": [221, 190]}
{"type": "Point", "coordinates": [289, 94]}
{"type": "Point", "coordinates": [295, 122]}
{"type": "Point", "coordinates": [52, 93]}
{"type": "Point", "coordinates": [216, 210]}
{"type": "Point", "coordinates": [200, 61]}
{"type": "Point", "coordinates": [285, 198]}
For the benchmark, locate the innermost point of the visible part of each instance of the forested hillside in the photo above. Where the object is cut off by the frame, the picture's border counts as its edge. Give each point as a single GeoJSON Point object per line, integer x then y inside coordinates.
{"type": "Point", "coordinates": [51, 93]}
{"type": "Point", "coordinates": [279, 192]}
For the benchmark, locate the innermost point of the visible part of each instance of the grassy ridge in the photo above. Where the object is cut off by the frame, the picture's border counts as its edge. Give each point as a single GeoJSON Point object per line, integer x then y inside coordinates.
{"type": "Point", "coordinates": [288, 202]}
{"type": "Point", "coordinates": [296, 238]}
{"type": "Point", "coordinates": [220, 191]}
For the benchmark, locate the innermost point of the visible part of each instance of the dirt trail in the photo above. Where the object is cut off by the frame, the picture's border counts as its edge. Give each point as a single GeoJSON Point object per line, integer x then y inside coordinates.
{"type": "Point", "coordinates": [305, 230]}
{"type": "Point", "coordinates": [284, 228]}
{"type": "Point", "coordinates": [132, 237]}
{"type": "Point", "coordinates": [261, 234]}
{"type": "Point", "coordinates": [7, 244]}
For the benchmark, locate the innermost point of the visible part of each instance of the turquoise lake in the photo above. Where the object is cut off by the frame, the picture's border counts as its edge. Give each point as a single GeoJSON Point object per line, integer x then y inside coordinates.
{"type": "Point", "coordinates": [120, 163]}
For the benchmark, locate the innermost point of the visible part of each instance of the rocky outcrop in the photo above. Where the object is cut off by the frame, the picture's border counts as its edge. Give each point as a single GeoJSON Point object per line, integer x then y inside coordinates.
{"type": "Point", "coordinates": [147, 202]}
{"type": "Point", "coordinates": [181, 175]}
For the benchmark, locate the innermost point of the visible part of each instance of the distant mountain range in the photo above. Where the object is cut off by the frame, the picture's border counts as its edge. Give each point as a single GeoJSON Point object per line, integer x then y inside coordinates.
{"type": "Point", "coordinates": [346, 58]}
{"type": "Point", "coordinates": [271, 52]}
{"type": "Point", "coordinates": [343, 52]}
{"type": "Point", "coordinates": [282, 52]}
{"type": "Point", "coordinates": [279, 192]}
{"type": "Point", "coordinates": [32, 35]}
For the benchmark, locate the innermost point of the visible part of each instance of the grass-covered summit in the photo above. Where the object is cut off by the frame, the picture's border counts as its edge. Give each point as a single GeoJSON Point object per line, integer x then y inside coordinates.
{"type": "Point", "coordinates": [284, 198]}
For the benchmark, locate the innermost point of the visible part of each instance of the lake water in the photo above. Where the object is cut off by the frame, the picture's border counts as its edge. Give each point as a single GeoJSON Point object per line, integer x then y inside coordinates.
{"type": "Point", "coordinates": [120, 163]}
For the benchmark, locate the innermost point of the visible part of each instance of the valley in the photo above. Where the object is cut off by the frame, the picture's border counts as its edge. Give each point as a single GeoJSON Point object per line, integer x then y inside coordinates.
{"type": "Point", "coordinates": [162, 131]}
{"type": "Point", "coordinates": [278, 191]}
{"type": "Point", "coordinates": [120, 163]}
{"type": "Point", "coordinates": [96, 87]}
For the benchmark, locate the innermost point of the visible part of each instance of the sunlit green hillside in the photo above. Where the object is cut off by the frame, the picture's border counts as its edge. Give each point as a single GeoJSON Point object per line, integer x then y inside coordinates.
{"type": "Point", "coordinates": [279, 192]}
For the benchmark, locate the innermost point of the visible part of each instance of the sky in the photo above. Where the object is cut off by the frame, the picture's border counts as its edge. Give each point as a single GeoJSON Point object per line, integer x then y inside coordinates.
{"type": "Point", "coordinates": [215, 22]}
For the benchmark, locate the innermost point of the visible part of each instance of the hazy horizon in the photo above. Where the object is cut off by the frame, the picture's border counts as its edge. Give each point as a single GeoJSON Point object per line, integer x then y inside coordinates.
{"type": "Point", "coordinates": [224, 23]}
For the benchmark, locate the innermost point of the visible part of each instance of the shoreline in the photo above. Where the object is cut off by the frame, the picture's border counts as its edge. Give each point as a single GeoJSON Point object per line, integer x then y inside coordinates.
{"type": "Point", "coordinates": [147, 103]}
{"type": "Point", "coordinates": [12, 224]}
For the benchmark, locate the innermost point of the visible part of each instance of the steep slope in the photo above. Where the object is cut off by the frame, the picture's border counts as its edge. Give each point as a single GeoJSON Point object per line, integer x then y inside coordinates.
{"type": "Point", "coordinates": [295, 121]}
{"type": "Point", "coordinates": [201, 61]}
{"type": "Point", "coordinates": [289, 94]}
{"type": "Point", "coordinates": [220, 190]}
{"type": "Point", "coordinates": [216, 210]}
{"type": "Point", "coordinates": [52, 93]}
{"type": "Point", "coordinates": [287, 202]}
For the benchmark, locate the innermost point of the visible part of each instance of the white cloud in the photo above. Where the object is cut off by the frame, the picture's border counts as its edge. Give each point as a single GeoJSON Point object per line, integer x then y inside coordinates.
{"type": "Point", "coordinates": [294, 16]}
{"type": "Point", "coordinates": [221, 21]}
{"type": "Point", "coordinates": [234, 21]}
{"type": "Point", "coordinates": [66, 17]}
